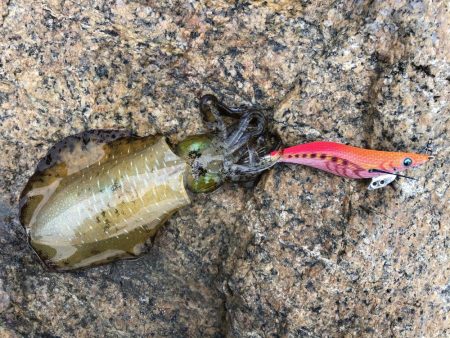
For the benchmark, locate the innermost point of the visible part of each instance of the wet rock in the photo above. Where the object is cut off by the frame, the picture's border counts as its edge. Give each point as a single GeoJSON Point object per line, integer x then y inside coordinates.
{"type": "Point", "coordinates": [302, 254]}
{"type": "Point", "coordinates": [4, 298]}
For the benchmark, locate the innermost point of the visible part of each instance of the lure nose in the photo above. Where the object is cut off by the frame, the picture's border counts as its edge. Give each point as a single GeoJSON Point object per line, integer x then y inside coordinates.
{"type": "Point", "coordinates": [420, 159]}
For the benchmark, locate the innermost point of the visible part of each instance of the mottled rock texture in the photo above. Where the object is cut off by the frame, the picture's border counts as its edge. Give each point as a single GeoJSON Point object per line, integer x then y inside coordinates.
{"type": "Point", "coordinates": [302, 254]}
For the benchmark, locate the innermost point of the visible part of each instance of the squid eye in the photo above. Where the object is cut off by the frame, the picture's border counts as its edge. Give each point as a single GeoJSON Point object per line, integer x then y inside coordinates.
{"type": "Point", "coordinates": [407, 162]}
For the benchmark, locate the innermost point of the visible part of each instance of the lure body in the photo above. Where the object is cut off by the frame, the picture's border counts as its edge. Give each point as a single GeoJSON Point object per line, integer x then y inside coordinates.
{"type": "Point", "coordinates": [347, 161]}
{"type": "Point", "coordinates": [101, 201]}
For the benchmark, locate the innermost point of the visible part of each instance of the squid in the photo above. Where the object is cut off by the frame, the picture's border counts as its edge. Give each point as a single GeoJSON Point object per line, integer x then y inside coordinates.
{"type": "Point", "coordinates": [102, 195]}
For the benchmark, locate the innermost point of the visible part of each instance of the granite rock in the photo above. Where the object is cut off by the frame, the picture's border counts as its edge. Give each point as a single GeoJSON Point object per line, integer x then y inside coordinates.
{"type": "Point", "coordinates": [301, 254]}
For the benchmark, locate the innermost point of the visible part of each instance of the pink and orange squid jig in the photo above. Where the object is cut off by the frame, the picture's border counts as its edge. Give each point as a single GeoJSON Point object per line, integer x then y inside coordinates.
{"type": "Point", "coordinates": [352, 162]}
{"type": "Point", "coordinates": [100, 195]}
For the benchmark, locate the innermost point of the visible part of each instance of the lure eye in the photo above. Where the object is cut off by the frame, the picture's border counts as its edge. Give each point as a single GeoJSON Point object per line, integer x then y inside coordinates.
{"type": "Point", "coordinates": [407, 162]}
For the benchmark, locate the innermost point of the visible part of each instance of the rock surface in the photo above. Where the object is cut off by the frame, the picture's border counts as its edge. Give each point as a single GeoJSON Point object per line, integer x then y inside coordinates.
{"type": "Point", "coordinates": [302, 254]}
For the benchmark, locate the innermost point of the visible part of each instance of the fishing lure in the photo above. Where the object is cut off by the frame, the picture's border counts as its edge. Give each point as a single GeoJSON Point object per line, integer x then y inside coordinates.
{"type": "Point", "coordinates": [352, 162]}
{"type": "Point", "coordinates": [101, 195]}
